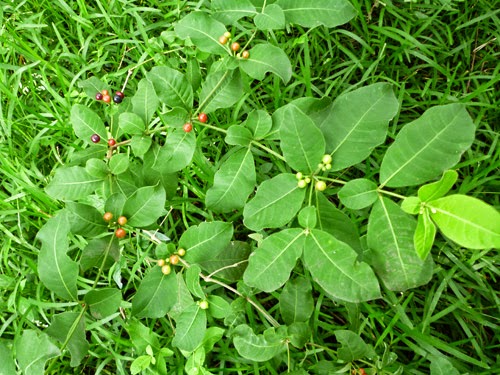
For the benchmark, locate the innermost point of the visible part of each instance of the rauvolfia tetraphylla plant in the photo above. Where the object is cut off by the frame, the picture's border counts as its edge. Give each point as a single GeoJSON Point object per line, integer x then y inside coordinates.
{"type": "Point", "coordinates": [153, 228]}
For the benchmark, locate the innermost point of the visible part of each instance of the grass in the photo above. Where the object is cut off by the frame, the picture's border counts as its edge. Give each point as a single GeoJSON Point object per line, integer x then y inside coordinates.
{"type": "Point", "coordinates": [433, 52]}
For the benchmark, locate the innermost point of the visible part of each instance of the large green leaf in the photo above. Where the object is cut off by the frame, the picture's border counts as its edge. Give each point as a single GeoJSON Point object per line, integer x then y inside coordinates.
{"type": "Point", "coordinates": [72, 183]}
{"type": "Point", "coordinates": [131, 123]}
{"type": "Point", "coordinates": [145, 101]}
{"type": "Point", "coordinates": [296, 300]}
{"type": "Point", "coordinates": [33, 349]}
{"type": "Point", "coordinates": [156, 294]}
{"type": "Point", "coordinates": [359, 193]}
{"type": "Point", "coordinates": [271, 18]}
{"type": "Point", "coordinates": [230, 263]}
{"type": "Point", "coordinates": [85, 220]}
{"type": "Point", "coordinates": [233, 183]}
{"type": "Point", "coordinates": [302, 143]}
{"type": "Point", "coordinates": [390, 239]}
{"type": "Point", "coordinates": [267, 58]}
{"type": "Point", "coordinates": [466, 220]}
{"type": "Point", "coordinates": [145, 206]}
{"type": "Point", "coordinates": [86, 123]}
{"type": "Point", "coordinates": [203, 30]}
{"type": "Point", "coordinates": [238, 135]}
{"type": "Point", "coordinates": [428, 146]}
{"type": "Point", "coordinates": [259, 122]}
{"type": "Point", "coordinates": [276, 202]}
{"type": "Point", "coordinates": [171, 86]}
{"type": "Point", "coordinates": [103, 302]}
{"type": "Point", "coordinates": [221, 89]}
{"type": "Point", "coordinates": [269, 266]}
{"type": "Point", "coordinates": [176, 153]}
{"type": "Point", "coordinates": [92, 86]}
{"type": "Point", "coordinates": [190, 328]}
{"type": "Point", "coordinates": [230, 11]}
{"type": "Point", "coordinates": [56, 270]}
{"type": "Point", "coordinates": [258, 348]}
{"type": "Point", "coordinates": [183, 298]}
{"type": "Point", "coordinates": [309, 13]}
{"type": "Point", "coordinates": [357, 122]}
{"type": "Point", "coordinates": [205, 241]}
{"type": "Point", "coordinates": [334, 266]}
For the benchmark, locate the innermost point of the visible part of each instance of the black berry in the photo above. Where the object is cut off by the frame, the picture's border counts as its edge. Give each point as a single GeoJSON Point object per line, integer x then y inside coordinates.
{"type": "Point", "coordinates": [95, 138]}
{"type": "Point", "coordinates": [117, 99]}
{"type": "Point", "coordinates": [120, 94]}
{"type": "Point", "coordinates": [98, 96]}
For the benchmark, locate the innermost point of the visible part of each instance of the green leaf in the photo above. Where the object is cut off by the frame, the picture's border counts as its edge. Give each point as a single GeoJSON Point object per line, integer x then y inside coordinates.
{"type": "Point", "coordinates": [8, 364]}
{"type": "Point", "coordinates": [237, 135]}
{"type": "Point", "coordinates": [271, 18]}
{"type": "Point", "coordinates": [269, 266]}
{"type": "Point", "coordinates": [145, 206]}
{"type": "Point", "coordinates": [299, 334]}
{"type": "Point", "coordinates": [276, 202]}
{"type": "Point", "coordinates": [56, 270]}
{"type": "Point", "coordinates": [411, 205]}
{"type": "Point", "coordinates": [193, 281]}
{"type": "Point", "coordinates": [92, 152]}
{"type": "Point", "coordinates": [439, 188]}
{"type": "Point", "coordinates": [103, 302]}
{"type": "Point", "coordinates": [218, 307]}
{"type": "Point", "coordinates": [221, 89]}
{"type": "Point", "coordinates": [318, 12]}
{"type": "Point", "coordinates": [97, 248]}
{"type": "Point", "coordinates": [230, 263]}
{"type": "Point", "coordinates": [357, 122]}
{"type": "Point", "coordinates": [72, 183]}
{"type": "Point", "coordinates": [296, 301]}
{"type": "Point", "coordinates": [141, 336]}
{"type": "Point", "coordinates": [259, 122]}
{"type": "Point", "coordinates": [428, 146]}
{"type": "Point", "coordinates": [115, 203]}
{"type": "Point", "coordinates": [190, 328]}
{"type": "Point", "coordinates": [467, 221]}
{"type": "Point", "coordinates": [139, 364]}
{"type": "Point", "coordinates": [230, 11]}
{"type": "Point", "coordinates": [334, 266]}
{"type": "Point", "coordinates": [193, 73]}
{"type": "Point", "coordinates": [97, 168]}
{"type": "Point", "coordinates": [145, 102]}
{"type": "Point", "coordinates": [92, 86]}
{"type": "Point", "coordinates": [171, 86]}
{"type": "Point", "coordinates": [183, 298]}
{"type": "Point", "coordinates": [267, 58]}
{"type": "Point", "coordinates": [205, 241]}
{"type": "Point", "coordinates": [70, 323]}
{"type": "Point", "coordinates": [308, 217]}
{"type": "Point", "coordinates": [233, 183]}
{"type": "Point", "coordinates": [156, 294]}
{"type": "Point", "coordinates": [86, 123]}
{"type": "Point", "coordinates": [390, 239]}
{"type": "Point", "coordinates": [353, 347]}
{"type": "Point", "coordinates": [442, 366]}
{"type": "Point", "coordinates": [85, 220]}
{"type": "Point", "coordinates": [176, 153]}
{"type": "Point", "coordinates": [131, 123]}
{"type": "Point", "coordinates": [302, 143]}
{"type": "Point", "coordinates": [140, 145]}
{"type": "Point", "coordinates": [203, 30]}
{"type": "Point", "coordinates": [118, 163]}
{"type": "Point", "coordinates": [359, 193]}
{"type": "Point", "coordinates": [257, 348]}
{"type": "Point", "coordinates": [424, 235]}
{"type": "Point", "coordinates": [33, 350]}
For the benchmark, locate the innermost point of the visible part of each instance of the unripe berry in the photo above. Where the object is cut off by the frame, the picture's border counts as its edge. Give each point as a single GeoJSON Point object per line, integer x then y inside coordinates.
{"type": "Point", "coordinates": [202, 117]}
{"type": "Point", "coordinates": [108, 216]}
{"type": "Point", "coordinates": [174, 259]}
{"type": "Point", "coordinates": [122, 220]}
{"type": "Point", "coordinates": [327, 159]}
{"type": "Point", "coordinates": [161, 262]}
{"type": "Point", "coordinates": [203, 305]}
{"type": "Point", "coordinates": [227, 34]}
{"type": "Point", "coordinates": [245, 54]}
{"type": "Point", "coordinates": [299, 176]}
{"type": "Point", "coordinates": [105, 92]}
{"type": "Point", "coordinates": [320, 185]}
{"type": "Point", "coordinates": [166, 269]}
{"type": "Point", "coordinates": [106, 99]}
{"type": "Point", "coordinates": [301, 184]}
{"type": "Point", "coordinates": [222, 39]}
{"type": "Point", "coordinates": [181, 252]}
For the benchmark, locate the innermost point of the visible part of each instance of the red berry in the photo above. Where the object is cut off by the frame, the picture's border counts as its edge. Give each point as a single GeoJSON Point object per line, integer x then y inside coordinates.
{"type": "Point", "coordinates": [188, 127]}
{"type": "Point", "coordinates": [111, 142]}
{"type": "Point", "coordinates": [122, 220]}
{"type": "Point", "coordinates": [108, 216]}
{"type": "Point", "coordinates": [117, 99]}
{"type": "Point", "coordinates": [245, 54]}
{"type": "Point", "coordinates": [95, 138]}
{"type": "Point", "coordinates": [203, 117]}
{"type": "Point", "coordinates": [105, 92]}
{"type": "Point", "coordinates": [106, 99]}
{"type": "Point", "coordinates": [120, 94]}
{"type": "Point", "coordinates": [98, 96]}
{"type": "Point", "coordinates": [235, 46]}
{"type": "Point", "coordinates": [120, 233]}
{"type": "Point", "coordinates": [222, 39]}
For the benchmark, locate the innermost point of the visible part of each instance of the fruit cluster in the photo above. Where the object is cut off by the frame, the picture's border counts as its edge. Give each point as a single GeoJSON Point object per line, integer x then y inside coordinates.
{"type": "Point", "coordinates": [106, 98]}
{"type": "Point", "coordinates": [121, 221]}
{"type": "Point", "coordinates": [326, 163]}
{"type": "Point", "coordinates": [95, 138]}
{"type": "Point", "coordinates": [235, 46]}
{"type": "Point", "coordinates": [320, 185]}
{"type": "Point", "coordinates": [173, 259]}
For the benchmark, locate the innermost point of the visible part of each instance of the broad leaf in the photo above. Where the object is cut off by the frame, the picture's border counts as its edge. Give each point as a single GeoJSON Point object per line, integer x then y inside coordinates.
{"type": "Point", "coordinates": [156, 294]}
{"type": "Point", "coordinates": [269, 266]}
{"type": "Point", "coordinates": [145, 102]}
{"type": "Point", "coordinates": [299, 334]}
{"type": "Point", "coordinates": [92, 86]}
{"type": "Point", "coordinates": [8, 364]}
{"type": "Point", "coordinates": [230, 11]}
{"type": "Point", "coordinates": [56, 270]}
{"type": "Point", "coordinates": [428, 146]}
{"type": "Point", "coordinates": [171, 86]}
{"type": "Point", "coordinates": [97, 168]}
{"type": "Point", "coordinates": [141, 336]}
{"type": "Point", "coordinates": [176, 153]}
{"type": "Point", "coordinates": [238, 135]}
{"type": "Point", "coordinates": [183, 298]}
{"type": "Point", "coordinates": [33, 350]}
{"type": "Point", "coordinates": [259, 122]}
{"type": "Point", "coordinates": [221, 89]}
{"type": "Point", "coordinates": [442, 366]}
{"type": "Point", "coordinates": [230, 263]}
{"type": "Point", "coordinates": [390, 239]}
{"type": "Point", "coordinates": [439, 188]}
{"type": "Point", "coordinates": [424, 235]}
{"type": "Point", "coordinates": [140, 145]}
{"type": "Point", "coordinates": [218, 307]}
{"type": "Point", "coordinates": [357, 122]}
{"type": "Point", "coordinates": [72, 183]}
{"type": "Point", "coordinates": [97, 249]}
{"type": "Point", "coordinates": [267, 58]}
{"type": "Point", "coordinates": [257, 348]}
{"type": "Point", "coordinates": [353, 347]}
{"type": "Point", "coordinates": [118, 163]}
{"type": "Point", "coordinates": [131, 123]}
{"type": "Point", "coordinates": [85, 220]}
{"type": "Point", "coordinates": [203, 30]}
{"type": "Point", "coordinates": [358, 194]}
{"type": "Point", "coordinates": [205, 241]}
{"type": "Point", "coordinates": [334, 266]}
{"type": "Point", "coordinates": [190, 328]}
{"type": "Point", "coordinates": [467, 221]}
{"type": "Point", "coordinates": [271, 18]}
{"type": "Point", "coordinates": [318, 12]}
{"type": "Point", "coordinates": [308, 217]}
{"type": "Point", "coordinates": [302, 143]}
{"type": "Point", "coordinates": [412, 205]}
{"type": "Point", "coordinates": [276, 202]}
{"type": "Point", "coordinates": [103, 302]}
{"type": "Point", "coordinates": [145, 206]}
{"type": "Point", "coordinates": [86, 123]}
{"type": "Point", "coordinates": [296, 301]}
{"type": "Point", "coordinates": [233, 183]}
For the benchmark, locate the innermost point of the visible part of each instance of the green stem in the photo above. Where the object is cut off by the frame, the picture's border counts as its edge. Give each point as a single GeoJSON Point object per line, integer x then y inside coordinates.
{"type": "Point", "coordinates": [379, 190]}
{"type": "Point", "coordinates": [267, 149]}
{"type": "Point", "coordinates": [99, 273]}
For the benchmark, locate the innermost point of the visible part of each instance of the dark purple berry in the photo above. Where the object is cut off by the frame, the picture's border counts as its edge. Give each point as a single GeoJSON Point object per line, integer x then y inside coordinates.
{"type": "Point", "coordinates": [120, 94]}
{"type": "Point", "coordinates": [98, 96]}
{"type": "Point", "coordinates": [117, 99]}
{"type": "Point", "coordinates": [95, 138]}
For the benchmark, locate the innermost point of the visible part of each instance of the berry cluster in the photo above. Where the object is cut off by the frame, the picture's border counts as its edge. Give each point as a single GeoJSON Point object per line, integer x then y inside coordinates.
{"type": "Point", "coordinates": [106, 98]}
{"type": "Point", "coordinates": [326, 163]}
{"type": "Point", "coordinates": [319, 185]}
{"type": "Point", "coordinates": [174, 259]}
{"type": "Point", "coordinates": [235, 46]}
{"type": "Point", "coordinates": [121, 221]}
{"type": "Point", "coordinates": [95, 138]}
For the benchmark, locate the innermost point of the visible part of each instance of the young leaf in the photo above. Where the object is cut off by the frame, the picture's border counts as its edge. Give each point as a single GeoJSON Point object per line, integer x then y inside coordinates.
{"type": "Point", "coordinates": [97, 168]}
{"type": "Point", "coordinates": [426, 147]}
{"type": "Point", "coordinates": [238, 135]}
{"type": "Point", "coordinates": [86, 123]}
{"type": "Point", "coordinates": [411, 205]}
{"type": "Point", "coordinates": [171, 86]}
{"type": "Point", "coordinates": [276, 202]}
{"type": "Point", "coordinates": [156, 294]}
{"type": "Point", "coordinates": [302, 143]}
{"type": "Point", "coordinates": [176, 153]}
{"type": "Point", "coordinates": [259, 122]}
{"type": "Point", "coordinates": [270, 264]}
{"type": "Point", "coordinates": [140, 145]}
{"type": "Point", "coordinates": [357, 122]}
{"type": "Point", "coordinates": [145, 206]}
{"type": "Point", "coordinates": [85, 220]}
{"type": "Point", "coordinates": [56, 270]}
{"type": "Point", "coordinates": [230, 11]}
{"type": "Point", "coordinates": [308, 217]}
{"type": "Point", "coordinates": [218, 307]}
{"type": "Point", "coordinates": [257, 348]}
{"type": "Point", "coordinates": [205, 241]}
{"type": "Point", "coordinates": [190, 328]}
{"type": "Point", "coordinates": [33, 350]}
{"type": "Point", "coordinates": [203, 30]}
{"type": "Point", "coordinates": [334, 266]}
{"type": "Point", "coordinates": [221, 89]}
{"type": "Point", "coordinates": [118, 163]}
{"type": "Point", "coordinates": [296, 301]}
{"type": "Point", "coordinates": [65, 324]}
{"type": "Point", "coordinates": [193, 281]}
{"type": "Point", "coordinates": [358, 194]}
{"type": "Point", "coordinates": [467, 221]}
{"type": "Point", "coordinates": [424, 235]}
{"type": "Point", "coordinates": [72, 183]}
{"type": "Point", "coordinates": [92, 86]}
{"type": "Point", "coordinates": [131, 123]}
{"type": "Point", "coordinates": [267, 58]}
{"type": "Point", "coordinates": [390, 239]}
{"type": "Point", "coordinates": [8, 364]}
{"type": "Point", "coordinates": [103, 302]}
{"type": "Point", "coordinates": [271, 18]}
{"type": "Point", "coordinates": [442, 366]}
{"type": "Point", "coordinates": [145, 101]}
{"type": "Point", "coordinates": [439, 188]}
{"type": "Point", "coordinates": [353, 347]}
{"type": "Point", "coordinates": [318, 12]}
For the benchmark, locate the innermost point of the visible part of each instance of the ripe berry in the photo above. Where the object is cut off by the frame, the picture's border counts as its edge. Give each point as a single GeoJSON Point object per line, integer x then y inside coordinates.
{"type": "Point", "coordinates": [105, 92]}
{"type": "Point", "coordinates": [203, 117]}
{"type": "Point", "coordinates": [320, 185]}
{"type": "Point", "coordinates": [161, 262]}
{"type": "Point", "coordinates": [106, 99]}
{"type": "Point", "coordinates": [203, 305]}
{"type": "Point", "coordinates": [227, 34]}
{"type": "Point", "coordinates": [111, 142]}
{"type": "Point", "coordinates": [174, 259]}
{"type": "Point", "coordinates": [222, 39]}
{"type": "Point", "coordinates": [120, 94]}
{"type": "Point", "coordinates": [98, 96]}
{"type": "Point", "coordinates": [188, 127]}
{"type": "Point", "coordinates": [235, 46]}
{"type": "Point", "coordinates": [120, 233]}
{"type": "Point", "coordinates": [181, 252]}
{"type": "Point", "coordinates": [95, 138]}
{"type": "Point", "coordinates": [108, 216]}
{"type": "Point", "coordinates": [117, 99]}
{"type": "Point", "coordinates": [166, 269]}
{"type": "Point", "coordinates": [122, 220]}
{"type": "Point", "coordinates": [245, 54]}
